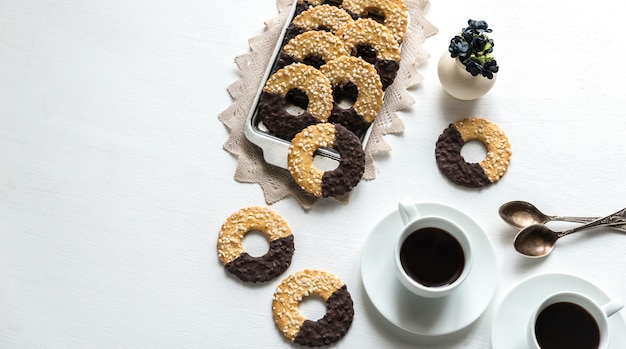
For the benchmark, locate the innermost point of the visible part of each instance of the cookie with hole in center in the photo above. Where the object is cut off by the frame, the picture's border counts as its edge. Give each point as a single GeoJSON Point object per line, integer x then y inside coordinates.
{"type": "Point", "coordinates": [320, 183]}
{"type": "Point", "coordinates": [238, 262]}
{"type": "Point", "coordinates": [292, 324]}
{"type": "Point", "coordinates": [393, 13]}
{"type": "Point", "coordinates": [373, 42]}
{"type": "Point", "coordinates": [355, 80]}
{"type": "Point", "coordinates": [300, 85]}
{"type": "Point", "coordinates": [323, 17]}
{"type": "Point", "coordinates": [314, 48]}
{"type": "Point", "coordinates": [473, 175]}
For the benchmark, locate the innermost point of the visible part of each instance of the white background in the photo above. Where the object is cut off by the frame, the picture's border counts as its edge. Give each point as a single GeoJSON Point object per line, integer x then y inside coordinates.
{"type": "Point", "coordinates": [114, 183]}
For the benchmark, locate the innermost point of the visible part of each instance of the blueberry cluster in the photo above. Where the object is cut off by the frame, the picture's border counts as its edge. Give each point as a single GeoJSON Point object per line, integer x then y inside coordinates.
{"type": "Point", "coordinates": [474, 48]}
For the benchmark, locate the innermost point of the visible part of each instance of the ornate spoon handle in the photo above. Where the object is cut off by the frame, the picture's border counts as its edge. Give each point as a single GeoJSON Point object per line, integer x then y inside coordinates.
{"type": "Point", "coordinates": [613, 220]}
{"type": "Point", "coordinates": [583, 220]}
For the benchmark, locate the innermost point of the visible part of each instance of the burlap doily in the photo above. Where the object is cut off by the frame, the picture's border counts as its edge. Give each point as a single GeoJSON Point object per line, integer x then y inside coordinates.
{"type": "Point", "coordinates": [276, 182]}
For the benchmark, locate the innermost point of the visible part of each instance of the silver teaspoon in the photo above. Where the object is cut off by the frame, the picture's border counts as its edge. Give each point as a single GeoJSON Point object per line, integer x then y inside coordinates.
{"type": "Point", "coordinates": [537, 240]}
{"type": "Point", "coordinates": [521, 214]}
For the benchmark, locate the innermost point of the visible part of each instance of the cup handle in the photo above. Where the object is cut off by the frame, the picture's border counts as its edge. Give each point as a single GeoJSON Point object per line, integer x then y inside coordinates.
{"type": "Point", "coordinates": [613, 307]}
{"type": "Point", "coordinates": [408, 211]}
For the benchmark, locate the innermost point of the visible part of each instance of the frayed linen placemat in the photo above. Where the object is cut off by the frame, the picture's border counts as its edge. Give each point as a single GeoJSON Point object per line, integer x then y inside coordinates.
{"type": "Point", "coordinates": [276, 182]}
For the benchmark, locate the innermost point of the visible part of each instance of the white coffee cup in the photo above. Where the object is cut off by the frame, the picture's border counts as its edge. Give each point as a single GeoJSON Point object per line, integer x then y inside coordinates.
{"type": "Point", "coordinates": [574, 307]}
{"type": "Point", "coordinates": [409, 267]}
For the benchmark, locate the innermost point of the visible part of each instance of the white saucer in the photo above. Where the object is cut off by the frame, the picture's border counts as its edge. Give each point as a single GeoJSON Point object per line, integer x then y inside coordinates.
{"type": "Point", "coordinates": [422, 316]}
{"type": "Point", "coordinates": [510, 323]}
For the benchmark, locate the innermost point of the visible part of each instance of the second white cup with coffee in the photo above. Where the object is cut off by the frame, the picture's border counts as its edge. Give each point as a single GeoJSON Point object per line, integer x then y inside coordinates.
{"type": "Point", "coordinates": [570, 319]}
{"type": "Point", "coordinates": [433, 254]}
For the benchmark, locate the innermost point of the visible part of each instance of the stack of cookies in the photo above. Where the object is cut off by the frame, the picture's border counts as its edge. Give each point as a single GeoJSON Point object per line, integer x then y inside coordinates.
{"type": "Point", "coordinates": [335, 61]}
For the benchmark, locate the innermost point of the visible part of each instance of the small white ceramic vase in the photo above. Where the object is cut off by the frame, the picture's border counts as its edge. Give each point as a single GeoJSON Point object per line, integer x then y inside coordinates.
{"type": "Point", "coordinates": [458, 82]}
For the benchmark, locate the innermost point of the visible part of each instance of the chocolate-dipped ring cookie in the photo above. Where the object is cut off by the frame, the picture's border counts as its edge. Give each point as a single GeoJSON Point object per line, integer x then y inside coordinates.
{"type": "Point", "coordinates": [374, 43]}
{"type": "Point", "coordinates": [238, 262]}
{"type": "Point", "coordinates": [293, 325]}
{"type": "Point", "coordinates": [347, 72]}
{"type": "Point", "coordinates": [473, 175]}
{"type": "Point", "coordinates": [313, 48]}
{"type": "Point", "coordinates": [394, 12]}
{"type": "Point", "coordinates": [310, 90]}
{"type": "Point", "coordinates": [323, 17]}
{"type": "Point", "coordinates": [326, 183]}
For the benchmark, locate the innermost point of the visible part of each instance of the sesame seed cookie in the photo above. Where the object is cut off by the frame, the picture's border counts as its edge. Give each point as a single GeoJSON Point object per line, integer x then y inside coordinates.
{"type": "Point", "coordinates": [314, 48]}
{"type": "Point", "coordinates": [293, 325]}
{"type": "Point", "coordinates": [313, 94]}
{"type": "Point", "coordinates": [394, 12]}
{"type": "Point", "coordinates": [346, 73]}
{"type": "Point", "coordinates": [374, 43]}
{"type": "Point", "coordinates": [238, 262]}
{"type": "Point", "coordinates": [473, 175]}
{"type": "Point", "coordinates": [322, 17]}
{"type": "Point", "coordinates": [326, 183]}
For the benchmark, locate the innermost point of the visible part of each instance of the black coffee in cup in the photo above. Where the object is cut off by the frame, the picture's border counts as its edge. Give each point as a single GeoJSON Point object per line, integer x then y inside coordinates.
{"type": "Point", "coordinates": [566, 325]}
{"type": "Point", "coordinates": [432, 257]}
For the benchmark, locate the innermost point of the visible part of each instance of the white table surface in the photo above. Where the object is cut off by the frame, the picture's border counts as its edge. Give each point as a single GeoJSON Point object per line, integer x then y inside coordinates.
{"type": "Point", "coordinates": [114, 183]}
